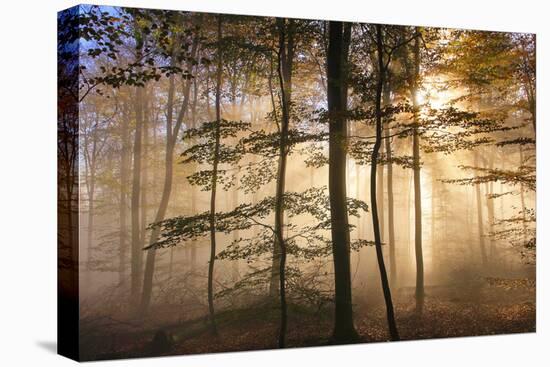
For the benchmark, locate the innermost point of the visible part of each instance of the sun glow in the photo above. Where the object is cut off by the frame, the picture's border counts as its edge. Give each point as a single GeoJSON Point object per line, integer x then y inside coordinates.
{"type": "Point", "coordinates": [436, 93]}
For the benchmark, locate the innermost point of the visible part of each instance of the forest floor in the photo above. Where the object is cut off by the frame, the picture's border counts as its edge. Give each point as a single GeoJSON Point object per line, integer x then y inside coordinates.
{"type": "Point", "coordinates": [494, 306]}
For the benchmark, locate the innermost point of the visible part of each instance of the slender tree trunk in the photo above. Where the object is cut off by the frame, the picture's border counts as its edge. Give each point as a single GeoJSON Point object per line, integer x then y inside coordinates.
{"type": "Point", "coordinates": [435, 250]}
{"type": "Point", "coordinates": [389, 183]}
{"type": "Point", "coordinates": [171, 139]}
{"type": "Point", "coordinates": [469, 224]}
{"type": "Point", "coordinates": [409, 192]}
{"type": "Point", "coordinates": [91, 213]}
{"type": "Point", "coordinates": [284, 72]}
{"type": "Point", "coordinates": [144, 171]}
{"type": "Point", "coordinates": [380, 195]}
{"type": "Point", "coordinates": [419, 294]}
{"type": "Point", "coordinates": [522, 198]}
{"type": "Point", "coordinates": [89, 174]}
{"type": "Point", "coordinates": [373, 187]}
{"type": "Point", "coordinates": [72, 231]}
{"type": "Point", "coordinates": [358, 197]}
{"type": "Point", "coordinates": [480, 217]}
{"type": "Point", "coordinates": [274, 284]}
{"type": "Point", "coordinates": [137, 258]}
{"type": "Point", "coordinates": [236, 115]}
{"type": "Point", "coordinates": [214, 183]}
{"type": "Point", "coordinates": [418, 224]}
{"type": "Point", "coordinates": [490, 212]}
{"type": "Point", "coordinates": [85, 278]}
{"type": "Point", "coordinates": [151, 253]}
{"type": "Point", "coordinates": [285, 58]}
{"type": "Point", "coordinates": [91, 169]}
{"type": "Point", "coordinates": [533, 110]}
{"type": "Point", "coordinates": [235, 234]}
{"type": "Point", "coordinates": [123, 205]}
{"type": "Point", "coordinates": [344, 330]}
{"type": "Point", "coordinates": [193, 245]}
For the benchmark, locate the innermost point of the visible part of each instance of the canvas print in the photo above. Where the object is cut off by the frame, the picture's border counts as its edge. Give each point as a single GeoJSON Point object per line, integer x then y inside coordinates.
{"type": "Point", "coordinates": [232, 183]}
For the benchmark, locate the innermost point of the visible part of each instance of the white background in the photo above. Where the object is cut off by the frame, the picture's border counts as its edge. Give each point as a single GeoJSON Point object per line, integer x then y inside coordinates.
{"type": "Point", "coordinates": [28, 183]}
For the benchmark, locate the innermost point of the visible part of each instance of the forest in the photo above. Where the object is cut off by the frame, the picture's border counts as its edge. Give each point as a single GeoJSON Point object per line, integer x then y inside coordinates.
{"type": "Point", "coordinates": [230, 182]}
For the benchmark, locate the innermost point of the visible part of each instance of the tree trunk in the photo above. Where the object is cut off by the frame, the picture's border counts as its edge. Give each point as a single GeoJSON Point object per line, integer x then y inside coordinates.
{"type": "Point", "coordinates": [193, 245]}
{"type": "Point", "coordinates": [90, 232]}
{"type": "Point", "coordinates": [344, 330]}
{"type": "Point", "coordinates": [284, 73]}
{"type": "Point", "coordinates": [409, 191]}
{"type": "Point", "coordinates": [373, 187]}
{"type": "Point", "coordinates": [137, 258]}
{"type": "Point", "coordinates": [418, 224]}
{"type": "Point", "coordinates": [389, 183]}
{"type": "Point", "coordinates": [123, 205]}
{"type": "Point", "coordinates": [490, 212]}
{"type": "Point", "coordinates": [214, 183]}
{"type": "Point", "coordinates": [275, 261]}
{"type": "Point", "coordinates": [435, 254]}
{"type": "Point", "coordinates": [358, 197]}
{"type": "Point", "coordinates": [522, 198]}
{"type": "Point", "coordinates": [285, 58]}
{"type": "Point", "coordinates": [151, 253]}
{"type": "Point", "coordinates": [90, 176]}
{"type": "Point", "coordinates": [480, 217]}
{"type": "Point", "coordinates": [419, 294]}
{"type": "Point", "coordinates": [171, 139]}
{"type": "Point", "coordinates": [380, 195]}
{"type": "Point", "coordinates": [235, 115]}
{"type": "Point", "coordinates": [144, 171]}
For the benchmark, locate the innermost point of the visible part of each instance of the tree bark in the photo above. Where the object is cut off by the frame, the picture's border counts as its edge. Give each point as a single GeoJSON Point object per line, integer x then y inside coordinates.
{"type": "Point", "coordinates": [236, 115]}
{"type": "Point", "coordinates": [389, 183]}
{"type": "Point", "coordinates": [344, 330]}
{"type": "Point", "coordinates": [137, 257]}
{"type": "Point", "coordinates": [373, 186]}
{"type": "Point", "coordinates": [90, 155]}
{"type": "Point", "coordinates": [522, 199]}
{"type": "Point", "coordinates": [435, 250]}
{"type": "Point", "coordinates": [284, 72]}
{"type": "Point", "coordinates": [144, 170]}
{"type": "Point", "coordinates": [275, 261]}
{"type": "Point", "coordinates": [171, 139]}
{"type": "Point", "coordinates": [419, 293]}
{"type": "Point", "coordinates": [380, 195]}
{"type": "Point", "coordinates": [214, 182]}
{"type": "Point", "coordinates": [91, 213]}
{"type": "Point", "coordinates": [490, 212]}
{"type": "Point", "coordinates": [285, 58]}
{"type": "Point", "coordinates": [193, 245]}
{"type": "Point", "coordinates": [480, 217]}
{"type": "Point", "coordinates": [123, 204]}
{"type": "Point", "coordinates": [358, 196]}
